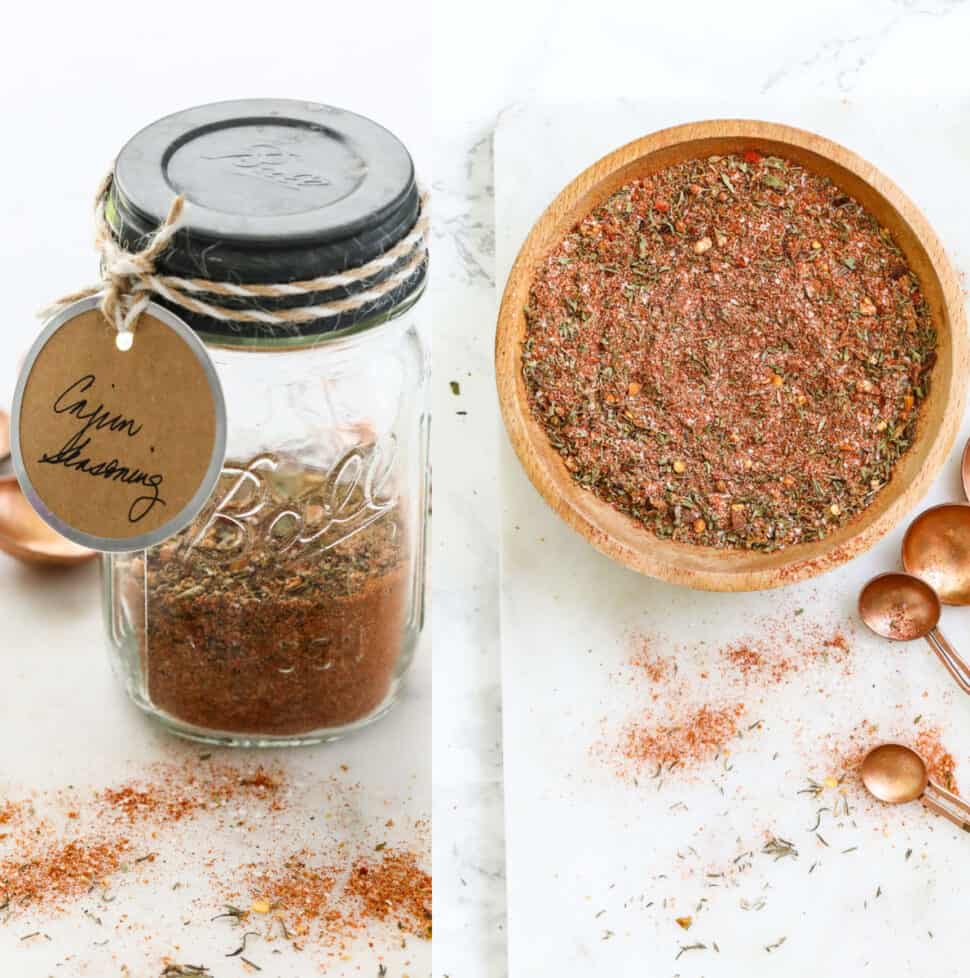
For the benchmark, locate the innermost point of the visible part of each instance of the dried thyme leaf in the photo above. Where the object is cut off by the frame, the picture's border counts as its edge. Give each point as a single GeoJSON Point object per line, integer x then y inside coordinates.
{"type": "Point", "coordinates": [233, 912]}
{"type": "Point", "coordinates": [684, 948]}
{"type": "Point", "coordinates": [780, 848]}
{"type": "Point", "coordinates": [242, 947]}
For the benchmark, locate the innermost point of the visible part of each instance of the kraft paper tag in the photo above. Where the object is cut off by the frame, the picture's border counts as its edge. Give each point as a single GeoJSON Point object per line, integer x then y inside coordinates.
{"type": "Point", "coordinates": [117, 450]}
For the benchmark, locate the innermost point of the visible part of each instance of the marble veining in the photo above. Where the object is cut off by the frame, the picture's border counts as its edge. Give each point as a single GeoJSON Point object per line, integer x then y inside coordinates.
{"type": "Point", "coordinates": [874, 47]}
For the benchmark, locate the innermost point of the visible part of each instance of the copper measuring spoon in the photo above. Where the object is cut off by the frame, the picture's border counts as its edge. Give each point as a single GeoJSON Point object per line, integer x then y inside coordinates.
{"type": "Point", "coordinates": [965, 470]}
{"type": "Point", "coordinates": [902, 608]}
{"type": "Point", "coordinates": [895, 775]}
{"type": "Point", "coordinates": [937, 549]}
{"type": "Point", "coordinates": [4, 436]}
{"type": "Point", "coordinates": [23, 534]}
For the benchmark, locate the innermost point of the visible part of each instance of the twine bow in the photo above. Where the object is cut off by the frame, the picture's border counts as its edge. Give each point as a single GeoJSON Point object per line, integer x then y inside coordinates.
{"type": "Point", "coordinates": [129, 279]}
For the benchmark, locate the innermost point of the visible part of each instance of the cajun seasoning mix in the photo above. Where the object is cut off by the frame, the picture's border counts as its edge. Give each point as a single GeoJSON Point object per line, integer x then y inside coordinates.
{"type": "Point", "coordinates": [732, 351]}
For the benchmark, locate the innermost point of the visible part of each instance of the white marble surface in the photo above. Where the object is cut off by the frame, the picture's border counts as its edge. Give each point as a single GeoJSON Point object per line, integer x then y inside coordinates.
{"type": "Point", "coordinates": [64, 722]}
{"type": "Point", "coordinates": [509, 53]}
{"type": "Point", "coordinates": [650, 850]}
{"type": "Point", "coordinates": [74, 85]}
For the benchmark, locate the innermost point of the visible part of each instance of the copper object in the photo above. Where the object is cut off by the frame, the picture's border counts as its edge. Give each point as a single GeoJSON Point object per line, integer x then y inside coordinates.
{"type": "Point", "coordinates": [902, 608]}
{"type": "Point", "coordinates": [937, 549]}
{"type": "Point", "coordinates": [23, 534]}
{"type": "Point", "coordinates": [965, 470]}
{"type": "Point", "coordinates": [895, 774]}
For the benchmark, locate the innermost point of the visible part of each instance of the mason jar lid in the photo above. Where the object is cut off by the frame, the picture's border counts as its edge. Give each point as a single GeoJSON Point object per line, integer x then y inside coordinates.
{"type": "Point", "coordinates": [278, 191]}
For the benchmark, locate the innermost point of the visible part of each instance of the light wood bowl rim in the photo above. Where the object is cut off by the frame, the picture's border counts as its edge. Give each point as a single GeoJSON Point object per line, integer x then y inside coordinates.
{"type": "Point", "coordinates": [620, 537]}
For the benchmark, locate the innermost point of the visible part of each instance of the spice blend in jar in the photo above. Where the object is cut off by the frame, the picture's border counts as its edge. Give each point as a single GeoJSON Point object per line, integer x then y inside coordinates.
{"type": "Point", "coordinates": [283, 635]}
{"type": "Point", "coordinates": [732, 351]}
{"type": "Point", "coordinates": [289, 610]}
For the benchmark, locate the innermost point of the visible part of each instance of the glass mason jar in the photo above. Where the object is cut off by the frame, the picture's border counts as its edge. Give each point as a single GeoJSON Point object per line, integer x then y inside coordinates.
{"type": "Point", "coordinates": [289, 610]}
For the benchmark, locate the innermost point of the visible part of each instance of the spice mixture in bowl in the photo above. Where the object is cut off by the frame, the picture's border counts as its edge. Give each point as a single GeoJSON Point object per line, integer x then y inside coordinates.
{"type": "Point", "coordinates": [732, 351]}
{"type": "Point", "coordinates": [733, 343]}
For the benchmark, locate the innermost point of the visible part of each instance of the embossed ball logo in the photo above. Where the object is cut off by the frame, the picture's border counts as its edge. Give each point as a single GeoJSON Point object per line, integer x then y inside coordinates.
{"type": "Point", "coordinates": [274, 504]}
{"type": "Point", "coordinates": [271, 161]}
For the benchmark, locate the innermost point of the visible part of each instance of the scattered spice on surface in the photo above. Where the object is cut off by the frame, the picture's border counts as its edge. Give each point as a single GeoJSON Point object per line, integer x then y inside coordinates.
{"type": "Point", "coordinates": [174, 793]}
{"type": "Point", "coordinates": [656, 668]}
{"type": "Point", "coordinates": [52, 872]}
{"type": "Point", "coordinates": [675, 732]}
{"type": "Point", "coordinates": [11, 811]}
{"type": "Point", "coordinates": [940, 763]}
{"type": "Point", "coordinates": [847, 751]}
{"type": "Point", "coordinates": [695, 738]}
{"type": "Point", "coordinates": [779, 652]}
{"type": "Point", "coordinates": [303, 894]}
{"type": "Point", "coordinates": [745, 659]}
{"type": "Point", "coordinates": [684, 948]}
{"type": "Point", "coordinates": [48, 864]}
{"type": "Point", "coordinates": [85, 849]}
{"type": "Point", "coordinates": [325, 901]}
{"type": "Point", "coordinates": [394, 888]}
{"type": "Point", "coordinates": [732, 352]}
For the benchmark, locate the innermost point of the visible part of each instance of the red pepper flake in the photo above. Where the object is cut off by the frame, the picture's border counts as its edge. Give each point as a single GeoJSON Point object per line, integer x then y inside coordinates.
{"type": "Point", "coordinates": [751, 156]}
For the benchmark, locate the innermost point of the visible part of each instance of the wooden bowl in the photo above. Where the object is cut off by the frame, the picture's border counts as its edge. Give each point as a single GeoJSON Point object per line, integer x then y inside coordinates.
{"type": "Point", "coordinates": [624, 539]}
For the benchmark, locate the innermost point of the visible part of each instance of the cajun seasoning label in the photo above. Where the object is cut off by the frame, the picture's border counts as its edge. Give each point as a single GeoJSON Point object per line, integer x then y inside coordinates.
{"type": "Point", "coordinates": [731, 351]}
{"type": "Point", "coordinates": [117, 449]}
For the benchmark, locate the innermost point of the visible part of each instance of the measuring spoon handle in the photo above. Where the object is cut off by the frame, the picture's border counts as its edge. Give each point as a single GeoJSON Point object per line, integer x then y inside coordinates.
{"type": "Point", "coordinates": [945, 652]}
{"type": "Point", "coordinates": [958, 811]}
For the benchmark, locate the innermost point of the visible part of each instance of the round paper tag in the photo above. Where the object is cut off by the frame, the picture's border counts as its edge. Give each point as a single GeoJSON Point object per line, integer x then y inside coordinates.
{"type": "Point", "coordinates": [117, 449]}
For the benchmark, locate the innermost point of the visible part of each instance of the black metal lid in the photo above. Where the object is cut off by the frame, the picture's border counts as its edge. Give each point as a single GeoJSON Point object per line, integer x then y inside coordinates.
{"type": "Point", "coordinates": [279, 191]}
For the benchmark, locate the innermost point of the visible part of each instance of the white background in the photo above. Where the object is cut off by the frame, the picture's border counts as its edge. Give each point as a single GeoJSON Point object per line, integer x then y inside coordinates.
{"type": "Point", "coordinates": [76, 80]}
{"type": "Point", "coordinates": [488, 57]}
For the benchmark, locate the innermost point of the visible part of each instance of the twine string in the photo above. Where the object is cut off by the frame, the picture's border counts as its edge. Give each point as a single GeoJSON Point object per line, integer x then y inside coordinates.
{"type": "Point", "coordinates": [129, 279]}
